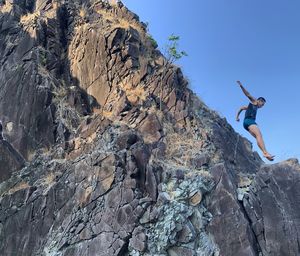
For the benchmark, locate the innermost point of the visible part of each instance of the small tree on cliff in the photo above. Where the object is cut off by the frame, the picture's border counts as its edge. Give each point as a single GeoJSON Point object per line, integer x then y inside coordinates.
{"type": "Point", "coordinates": [172, 54]}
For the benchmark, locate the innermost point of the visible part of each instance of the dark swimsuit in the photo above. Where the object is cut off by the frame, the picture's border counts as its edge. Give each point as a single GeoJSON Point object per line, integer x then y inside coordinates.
{"type": "Point", "coordinates": [250, 116]}
{"type": "Point", "coordinates": [1, 136]}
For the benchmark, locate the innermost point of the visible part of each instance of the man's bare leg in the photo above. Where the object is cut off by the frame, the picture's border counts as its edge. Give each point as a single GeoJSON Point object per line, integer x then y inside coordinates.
{"type": "Point", "coordinates": [255, 132]}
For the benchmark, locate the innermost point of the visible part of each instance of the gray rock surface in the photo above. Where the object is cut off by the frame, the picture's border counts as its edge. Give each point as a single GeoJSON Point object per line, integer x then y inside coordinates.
{"type": "Point", "coordinates": [108, 172]}
{"type": "Point", "coordinates": [10, 160]}
{"type": "Point", "coordinates": [272, 205]}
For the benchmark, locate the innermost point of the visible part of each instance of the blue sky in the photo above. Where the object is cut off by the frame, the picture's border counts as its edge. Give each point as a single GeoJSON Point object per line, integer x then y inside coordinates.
{"type": "Point", "coordinates": [254, 41]}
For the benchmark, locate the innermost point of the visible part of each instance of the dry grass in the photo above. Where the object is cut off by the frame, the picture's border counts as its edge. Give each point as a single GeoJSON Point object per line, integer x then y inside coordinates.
{"type": "Point", "coordinates": [134, 94]}
{"type": "Point", "coordinates": [92, 138]}
{"type": "Point", "coordinates": [49, 179]}
{"type": "Point", "coordinates": [113, 2]}
{"type": "Point", "coordinates": [118, 22]}
{"type": "Point", "coordinates": [244, 181]}
{"type": "Point", "coordinates": [7, 7]}
{"type": "Point", "coordinates": [181, 148]}
{"type": "Point", "coordinates": [60, 92]}
{"type": "Point", "coordinates": [19, 186]}
{"type": "Point", "coordinates": [30, 155]}
{"type": "Point", "coordinates": [55, 5]}
{"type": "Point", "coordinates": [105, 113]}
{"type": "Point", "coordinates": [202, 173]}
{"type": "Point", "coordinates": [29, 18]}
{"type": "Point", "coordinates": [82, 12]}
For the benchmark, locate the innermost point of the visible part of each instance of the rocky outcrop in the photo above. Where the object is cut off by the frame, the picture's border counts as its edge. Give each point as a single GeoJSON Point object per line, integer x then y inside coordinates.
{"type": "Point", "coordinates": [272, 206]}
{"type": "Point", "coordinates": [34, 105]}
{"type": "Point", "coordinates": [122, 157]}
{"type": "Point", "coordinates": [228, 214]}
{"type": "Point", "coordinates": [87, 206]}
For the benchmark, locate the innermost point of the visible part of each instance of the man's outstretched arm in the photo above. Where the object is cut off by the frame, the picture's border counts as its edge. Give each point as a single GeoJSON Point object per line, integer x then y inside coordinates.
{"type": "Point", "coordinates": [251, 98]}
{"type": "Point", "coordinates": [239, 112]}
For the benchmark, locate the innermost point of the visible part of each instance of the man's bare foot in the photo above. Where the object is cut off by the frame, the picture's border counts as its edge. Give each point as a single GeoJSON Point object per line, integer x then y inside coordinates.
{"type": "Point", "coordinates": [269, 156]}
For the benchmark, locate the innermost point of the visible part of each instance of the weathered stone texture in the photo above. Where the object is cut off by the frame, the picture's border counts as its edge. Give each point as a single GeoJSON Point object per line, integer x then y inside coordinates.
{"type": "Point", "coordinates": [121, 157]}
{"type": "Point", "coordinates": [10, 160]}
{"type": "Point", "coordinates": [273, 207]}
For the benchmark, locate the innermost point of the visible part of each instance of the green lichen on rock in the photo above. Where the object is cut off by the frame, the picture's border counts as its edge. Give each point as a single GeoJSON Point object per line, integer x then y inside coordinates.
{"type": "Point", "coordinates": [179, 225]}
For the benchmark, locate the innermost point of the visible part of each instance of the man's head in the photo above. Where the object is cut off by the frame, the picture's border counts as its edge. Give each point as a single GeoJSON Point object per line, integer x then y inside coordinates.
{"type": "Point", "coordinates": [261, 102]}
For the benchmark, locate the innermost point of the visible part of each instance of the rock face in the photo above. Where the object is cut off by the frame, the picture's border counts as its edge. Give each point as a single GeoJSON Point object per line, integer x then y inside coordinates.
{"type": "Point", "coordinates": [108, 170]}
{"type": "Point", "coordinates": [272, 205]}
{"type": "Point", "coordinates": [10, 160]}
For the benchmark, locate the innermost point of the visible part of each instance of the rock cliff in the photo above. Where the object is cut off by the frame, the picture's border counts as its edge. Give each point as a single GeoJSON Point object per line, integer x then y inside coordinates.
{"type": "Point", "coordinates": [107, 153]}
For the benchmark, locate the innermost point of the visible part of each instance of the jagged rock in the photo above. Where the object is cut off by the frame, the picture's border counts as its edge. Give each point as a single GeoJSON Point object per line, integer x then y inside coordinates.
{"type": "Point", "coordinates": [226, 212]}
{"type": "Point", "coordinates": [138, 240]}
{"type": "Point", "coordinates": [186, 234]}
{"type": "Point", "coordinates": [151, 183]}
{"type": "Point", "coordinates": [149, 216]}
{"type": "Point", "coordinates": [121, 106]}
{"type": "Point", "coordinates": [178, 174]}
{"type": "Point", "coordinates": [123, 158]}
{"type": "Point", "coordinates": [199, 160]}
{"type": "Point", "coordinates": [273, 208]}
{"type": "Point", "coordinates": [151, 129]}
{"type": "Point", "coordinates": [10, 160]}
{"type": "Point", "coordinates": [126, 140]}
{"type": "Point", "coordinates": [197, 221]}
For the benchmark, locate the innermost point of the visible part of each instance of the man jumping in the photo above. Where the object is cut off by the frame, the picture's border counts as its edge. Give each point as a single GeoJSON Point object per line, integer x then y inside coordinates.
{"type": "Point", "coordinates": [249, 121]}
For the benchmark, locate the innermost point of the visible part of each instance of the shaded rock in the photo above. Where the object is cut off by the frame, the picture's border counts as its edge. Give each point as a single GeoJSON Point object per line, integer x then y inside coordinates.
{"type": "Point", "coordinates": [178, 174]}
{"type": "Point", "coordinates": [197, 221]}
{"type": "Point", "coordinates": [199, 161]}
{"type": "Point", "coordinates": [160, 150]}
{"type": "Point", "coordinates": [186, 234]}
{"type": "Point", "coordinates": [149, 216]}
{"type": "Point", "coordinates": [180, 251]}
{"type": "Point", "coordinates": [151, 183]}
{"type": "Point", "coordinates": [163, 198]}
{"type": "Point", "coordinates": [126, 139]}
{"type": "Point", "coordinates": [10, 160]}
{"type": "Point", "coordinates": [273, 206]}
{"type": "Point", "coordinates": [138, 240]}
{"type": "Point", "coordinates": [141, 154]}
{"type": "Point", "coordinates": [151, 129]}
{"type": "Point", "coordinates": [121, 106]}
{"type": "Point", "coordinates": [226, 212]}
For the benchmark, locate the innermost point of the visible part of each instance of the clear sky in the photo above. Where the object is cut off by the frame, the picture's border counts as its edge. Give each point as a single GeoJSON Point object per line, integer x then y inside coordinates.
{"type": "Point", "coordinates": [254, 41]}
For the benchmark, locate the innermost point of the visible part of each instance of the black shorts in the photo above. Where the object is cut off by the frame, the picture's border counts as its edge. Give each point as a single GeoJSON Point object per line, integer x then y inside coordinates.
{"type": "Point", "coordinates": [248, 122]}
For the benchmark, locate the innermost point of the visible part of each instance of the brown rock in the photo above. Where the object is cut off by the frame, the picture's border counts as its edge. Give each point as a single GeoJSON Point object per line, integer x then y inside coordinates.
{"type": "Point", "coordinates": [126, 140]}
{"type": "Point", "coordinates": [199, 160]}
{"type": "Point", "coordinates": [196, 198]}
{"type": "Point", "coordinates": [151, 129]}
{"type": "Point", "coordinates": [273, 207]}
{"type": "Point", "coordinates": [226, 211]}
